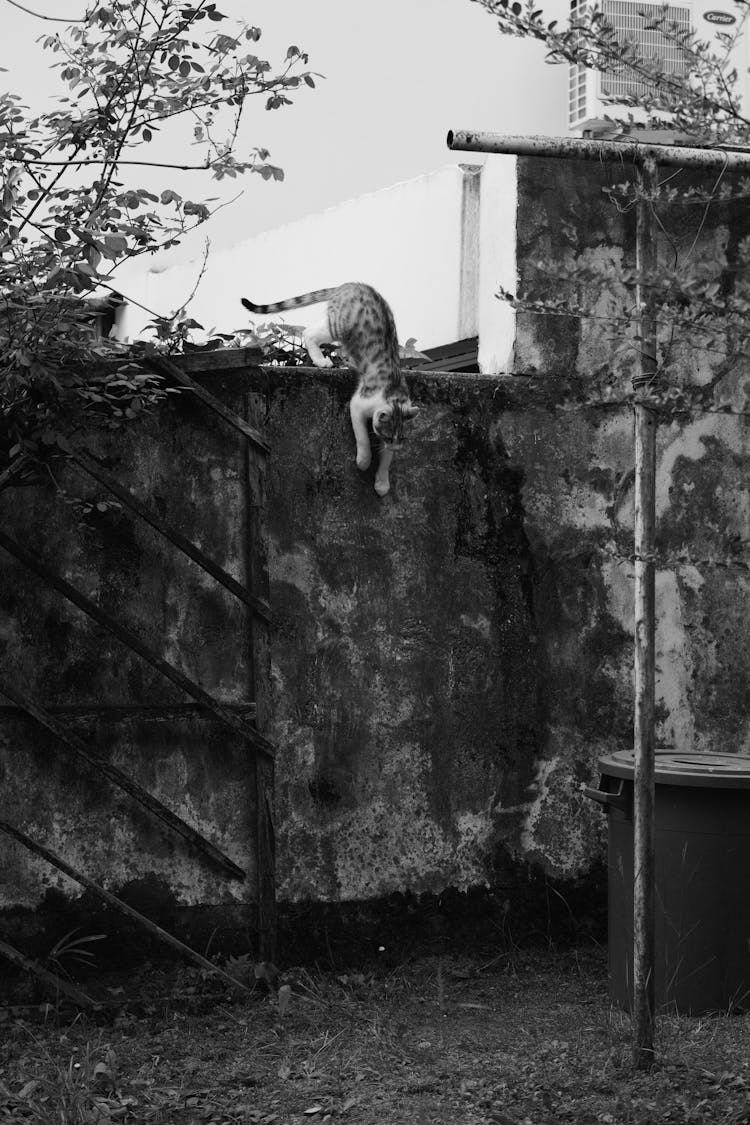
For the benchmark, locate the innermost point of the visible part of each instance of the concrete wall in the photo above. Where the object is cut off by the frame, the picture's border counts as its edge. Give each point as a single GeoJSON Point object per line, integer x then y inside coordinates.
{"type": "Point", "coordinates": [192, 472]}
{"type": "Point", "coordinates": [453, 661]}
{"type": "Point", "coordinates": [702, 460]}
{"type": "Point", "coordinates": [448, 662]}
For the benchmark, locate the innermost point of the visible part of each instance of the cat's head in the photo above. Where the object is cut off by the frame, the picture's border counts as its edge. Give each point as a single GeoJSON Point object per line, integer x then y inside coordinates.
{"type": "Point", "coordinates": [388, 421]}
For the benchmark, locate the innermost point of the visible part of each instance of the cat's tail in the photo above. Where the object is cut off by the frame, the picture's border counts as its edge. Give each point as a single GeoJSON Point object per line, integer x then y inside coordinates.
{"type": "Point", "coordinates": [291, 303]}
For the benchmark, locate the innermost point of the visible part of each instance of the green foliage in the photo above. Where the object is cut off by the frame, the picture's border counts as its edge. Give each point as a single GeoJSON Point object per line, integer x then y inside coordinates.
{"type": "Point", "coordinates": [73, 950]}
{"type": "Point", "coordinates": [699, 289]}
{"type": "Point", "coordinates": [696, 94]}
{"type": "Point", "coordinates": [131, 70]}
{"type": "Point", "coordinates": [77, 1093]}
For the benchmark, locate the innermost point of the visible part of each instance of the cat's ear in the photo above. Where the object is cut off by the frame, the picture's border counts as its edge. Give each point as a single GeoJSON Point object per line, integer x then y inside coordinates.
{"type": "Point", "coordinates": [409, 411]}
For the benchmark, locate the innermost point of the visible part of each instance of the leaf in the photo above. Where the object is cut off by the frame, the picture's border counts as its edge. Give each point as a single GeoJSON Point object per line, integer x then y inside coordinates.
{"type": "Point", "coordinates": [116, 242]}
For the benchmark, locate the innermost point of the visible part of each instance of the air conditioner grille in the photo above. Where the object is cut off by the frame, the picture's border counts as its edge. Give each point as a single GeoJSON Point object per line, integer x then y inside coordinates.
{"type": "Point", "coordinates": [630, 21]}
{"type": "Point", "coordinates": [577, 107]}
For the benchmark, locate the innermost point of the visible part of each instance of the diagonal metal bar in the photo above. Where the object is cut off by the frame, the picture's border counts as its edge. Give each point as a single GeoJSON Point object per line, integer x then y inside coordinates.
{"type": "Point", "coordinates": [171, 371]}
{"type": "Point", "coordinates": [118, 904]}
{"type": "Point", "coordinates": [52, 980]}
{"type": "Point", "coordinates": [89, 465]}
{"type": "Point", "coordinates": [13, 470]}
{"type": "Point", "coordinates": [79, 748]}
{"type": "Point", "coordinates": [133, 642]}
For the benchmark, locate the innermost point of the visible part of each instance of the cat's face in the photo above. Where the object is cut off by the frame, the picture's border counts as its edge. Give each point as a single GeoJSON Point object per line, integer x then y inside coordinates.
{"type": "Point", "coordinates": [388, 422]}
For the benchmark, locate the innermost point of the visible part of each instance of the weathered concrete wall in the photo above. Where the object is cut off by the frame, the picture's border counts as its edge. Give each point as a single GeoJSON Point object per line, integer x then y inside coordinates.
{"type": "Point", "coordinates": [703, 511]}
{"type": "Point", "coordinates": [403, 656]}
{"type": "Point", "coordinates": [192, 472]}
{"type": "Point", "coordinates": [451, 662]}
{"type": "Point", "coordinates": [448, 662]}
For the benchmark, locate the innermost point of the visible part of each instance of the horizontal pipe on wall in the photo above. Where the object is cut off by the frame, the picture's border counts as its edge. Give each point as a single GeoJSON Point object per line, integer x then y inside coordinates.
{"type": "Point", "coordinates": [575, 148]}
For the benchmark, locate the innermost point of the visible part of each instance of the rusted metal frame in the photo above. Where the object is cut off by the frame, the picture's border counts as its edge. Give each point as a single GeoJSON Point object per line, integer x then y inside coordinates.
{"type": "Point", "coordinates": [172, 372]}
{"type": "Point", "coordinates": [128, 638]}
{"type": "Point", "coordinates": [155, 806]}
{"type": "Point", "coordinates": [89, 465]}
{"type": "Point", "coordinates": [154, 713]}
{"type": "Point", "coordinates": [644, 842]}
{"type": "Point", "coordinates": [52, 980]}
{"type": "Point", "coordinates": [118, 904]}
{"type": "Point", "coordinates": [619, 152]}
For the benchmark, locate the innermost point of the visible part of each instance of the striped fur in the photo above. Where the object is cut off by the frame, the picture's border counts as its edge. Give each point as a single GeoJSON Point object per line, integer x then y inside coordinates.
{"type": "Point", "coordinates": [313, 298]}
{"type": "Point", "coordinates": [360, 319]}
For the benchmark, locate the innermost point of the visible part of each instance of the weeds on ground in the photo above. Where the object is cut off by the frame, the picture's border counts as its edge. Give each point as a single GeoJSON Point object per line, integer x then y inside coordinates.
{"type": "Point", "coordinates": [526, 1040]}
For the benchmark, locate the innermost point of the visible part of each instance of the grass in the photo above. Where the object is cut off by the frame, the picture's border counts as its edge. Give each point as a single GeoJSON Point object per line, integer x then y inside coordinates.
{"type": "Point", "coordinates": [528, 1040]}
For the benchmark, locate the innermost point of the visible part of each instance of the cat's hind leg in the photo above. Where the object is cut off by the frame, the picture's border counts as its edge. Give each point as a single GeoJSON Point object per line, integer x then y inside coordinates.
{"type": "Point", "coordinates": [313, 337]}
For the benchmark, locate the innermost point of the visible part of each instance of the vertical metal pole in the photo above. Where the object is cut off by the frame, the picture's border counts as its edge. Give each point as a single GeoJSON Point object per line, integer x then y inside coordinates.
{"type": "Point", "coordinates": [645, 518]}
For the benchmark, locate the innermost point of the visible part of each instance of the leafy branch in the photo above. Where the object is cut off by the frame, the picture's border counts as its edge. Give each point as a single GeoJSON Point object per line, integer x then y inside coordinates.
{"type": "Point", "coordinates": [129, 70]}
{"type": "Point", "coordinates": [698, 292]}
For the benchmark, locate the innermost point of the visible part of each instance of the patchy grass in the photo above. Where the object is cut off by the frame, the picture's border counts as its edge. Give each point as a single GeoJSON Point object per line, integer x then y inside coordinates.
{"type": "Point", "coordinates": [528, 1039]}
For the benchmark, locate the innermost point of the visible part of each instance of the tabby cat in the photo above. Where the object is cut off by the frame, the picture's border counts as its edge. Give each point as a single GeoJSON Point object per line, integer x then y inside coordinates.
{"type": "Point", "coordinates": [359, 319]}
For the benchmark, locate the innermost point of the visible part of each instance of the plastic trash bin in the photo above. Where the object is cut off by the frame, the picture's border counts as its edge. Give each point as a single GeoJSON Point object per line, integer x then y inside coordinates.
{"type": "Point", "coordinates": [702, 825]}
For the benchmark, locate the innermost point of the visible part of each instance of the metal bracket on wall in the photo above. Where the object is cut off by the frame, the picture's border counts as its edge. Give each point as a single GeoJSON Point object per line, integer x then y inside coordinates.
{"type": "Point", "coordinates": [118, 904]}
{"type": "Point", "coordinates": [120, 779]}
{"type": "Point", "coordinates": [248, 733]}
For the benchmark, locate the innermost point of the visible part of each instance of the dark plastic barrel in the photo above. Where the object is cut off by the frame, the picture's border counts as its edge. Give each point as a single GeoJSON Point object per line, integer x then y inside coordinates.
{"type": "Point", "coordinates": [702, 823]}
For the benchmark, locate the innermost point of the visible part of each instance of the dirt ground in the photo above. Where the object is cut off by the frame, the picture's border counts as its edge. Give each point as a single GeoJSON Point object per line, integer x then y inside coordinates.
{"type": "Point", "coordinates": [530, 1039]}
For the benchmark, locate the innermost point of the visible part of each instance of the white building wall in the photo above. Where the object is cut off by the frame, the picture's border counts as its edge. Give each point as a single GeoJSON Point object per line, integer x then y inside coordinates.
{"type": "Point", "coordinates": [424, 244]}
{"type": "Point", "coordinates": [498, 241]}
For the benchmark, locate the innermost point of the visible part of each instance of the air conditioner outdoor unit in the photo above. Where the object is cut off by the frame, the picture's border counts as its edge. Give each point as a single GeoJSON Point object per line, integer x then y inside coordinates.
{"type": "Point", "coordinates": [595, 95]}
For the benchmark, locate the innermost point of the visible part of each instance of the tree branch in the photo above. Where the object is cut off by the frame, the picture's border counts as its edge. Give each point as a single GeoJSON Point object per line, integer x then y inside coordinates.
{"type": "Point", "coordinates": [39, 16]}
{"type": "Point", "coordinates": [108, 160]}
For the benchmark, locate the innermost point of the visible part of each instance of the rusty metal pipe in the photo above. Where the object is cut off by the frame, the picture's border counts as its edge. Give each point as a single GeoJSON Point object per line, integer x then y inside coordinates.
{"type": "Point", "coordinates": [624, 152]}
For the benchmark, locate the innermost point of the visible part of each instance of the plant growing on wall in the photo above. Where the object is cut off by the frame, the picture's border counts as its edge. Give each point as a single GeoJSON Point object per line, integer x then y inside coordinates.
{"type": "Point", "coordinates": [698, 290]}
{"type": "Point", "coordinates": [85, 185]}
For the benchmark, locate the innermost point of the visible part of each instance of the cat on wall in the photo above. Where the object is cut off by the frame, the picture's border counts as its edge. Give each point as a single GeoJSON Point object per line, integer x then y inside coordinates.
{"type": "Point", "coordinates": [361, 321]}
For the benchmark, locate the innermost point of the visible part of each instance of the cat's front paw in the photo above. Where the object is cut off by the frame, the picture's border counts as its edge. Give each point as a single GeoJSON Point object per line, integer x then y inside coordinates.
{"type": "Point", "coordinates": [323, 361]}
{"type": "Point", "coordinates": [382, 487]}
{"type": "Point", "coordinates": [363, 460]}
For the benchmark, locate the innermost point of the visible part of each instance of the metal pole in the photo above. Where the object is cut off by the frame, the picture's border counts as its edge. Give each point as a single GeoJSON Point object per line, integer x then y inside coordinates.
{"type": "Point", "coordinates": [645, 420]}
{"type": "Point", "coordinates": [645, 609]}
{"type": "Point", "coordinates": [618, 152]}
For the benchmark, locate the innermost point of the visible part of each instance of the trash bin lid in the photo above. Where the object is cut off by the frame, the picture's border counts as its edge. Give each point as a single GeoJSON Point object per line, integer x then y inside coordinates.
{"type": "Point", "coordinates": [674, 767]}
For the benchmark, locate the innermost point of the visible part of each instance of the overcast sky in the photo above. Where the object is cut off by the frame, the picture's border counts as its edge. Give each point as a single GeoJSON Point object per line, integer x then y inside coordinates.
{"type": "Point", "coordinates": [398, 75]}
